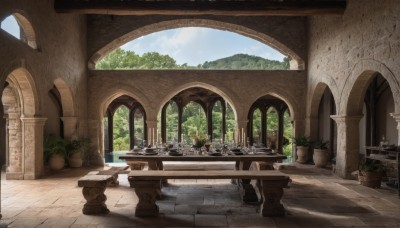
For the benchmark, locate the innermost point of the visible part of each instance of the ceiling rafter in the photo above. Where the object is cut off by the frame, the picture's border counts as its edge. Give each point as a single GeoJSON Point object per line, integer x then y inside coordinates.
{"type": "Point", "coordinates": [204, 7]}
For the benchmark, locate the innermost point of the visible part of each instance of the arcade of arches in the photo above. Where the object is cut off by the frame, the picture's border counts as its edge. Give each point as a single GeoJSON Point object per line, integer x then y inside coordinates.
{"type": "Point", "coordinates": [343, 86]}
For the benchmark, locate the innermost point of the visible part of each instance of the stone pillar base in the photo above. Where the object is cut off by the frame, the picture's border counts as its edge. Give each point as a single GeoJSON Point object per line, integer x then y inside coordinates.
{"type": "Point", "coordinates": [14, 176]}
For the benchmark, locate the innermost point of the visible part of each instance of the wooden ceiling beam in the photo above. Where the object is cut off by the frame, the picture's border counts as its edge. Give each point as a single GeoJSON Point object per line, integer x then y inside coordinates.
{"type": "Point", "coordinates": [222, 8]}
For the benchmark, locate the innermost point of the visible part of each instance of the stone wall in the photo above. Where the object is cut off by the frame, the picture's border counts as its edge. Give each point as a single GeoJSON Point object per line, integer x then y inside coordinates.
{"type": "Point", "coordinates": [345, 52]}
{"type": "Point", "coordinates": [60, 53]}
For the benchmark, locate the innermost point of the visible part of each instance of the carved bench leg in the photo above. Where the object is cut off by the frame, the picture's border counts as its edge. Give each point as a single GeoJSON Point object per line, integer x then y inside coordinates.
{"type": "Point", "coordinates": [96, 200]}
{"type": "Point", "coordinates": [134, 165]}
{"type": "Point", "coordinates": [147, 193]}
{"type": "Point", "coordinates": [272, 192]}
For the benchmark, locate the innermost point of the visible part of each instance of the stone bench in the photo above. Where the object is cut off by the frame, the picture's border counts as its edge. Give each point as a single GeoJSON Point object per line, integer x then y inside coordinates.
{"type": "Point", "coordinates": [93, 190]}
{"type": "Point", "coordinates": [147, 184]}
{"type": "Point", "coordinates": [113, 171]}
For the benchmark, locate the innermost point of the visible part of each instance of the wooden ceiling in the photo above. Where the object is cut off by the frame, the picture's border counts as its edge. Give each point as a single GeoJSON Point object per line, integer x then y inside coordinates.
{"type": "Point", "coordinates": [202, 7]}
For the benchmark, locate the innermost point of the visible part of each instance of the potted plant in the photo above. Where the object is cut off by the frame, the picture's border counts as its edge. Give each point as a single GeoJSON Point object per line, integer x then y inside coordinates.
{"type": "Point", "coordinates": [76, 150]}
{"type": "Point", "coordinates": [302, 143]}
{"type": "Point", "coordinates": [55, 152]}
{"type": "Point", "coordinates": [321, 156]}
{"type": "Point", "coordinates": [199, 142]}
{"type": "Point", "coordinates": [370, 173]}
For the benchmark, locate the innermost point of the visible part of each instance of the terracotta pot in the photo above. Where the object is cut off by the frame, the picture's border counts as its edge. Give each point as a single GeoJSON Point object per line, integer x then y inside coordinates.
{"type": "Point", "coordinates": [370, 179]}
{"type": "Point", "coordinates": [302, 152]}
{"type": "Point", "coordinates": [320, 157]}
{"type": "Point", "coordinates": [75, 160]}
{"type": "Point", "coordinates": [56, 162]}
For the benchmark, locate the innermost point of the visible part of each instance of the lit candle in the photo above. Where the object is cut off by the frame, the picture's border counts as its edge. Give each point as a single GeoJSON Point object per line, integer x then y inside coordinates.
{"type": "Point", "coordinates": [157, 136]}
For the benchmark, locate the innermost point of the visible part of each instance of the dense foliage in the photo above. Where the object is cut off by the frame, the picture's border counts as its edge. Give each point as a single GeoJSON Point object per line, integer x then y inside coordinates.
{"type": "Point", "coordinates": [120, 59]}
{"type": "Point", "coordinates": [245, 62]}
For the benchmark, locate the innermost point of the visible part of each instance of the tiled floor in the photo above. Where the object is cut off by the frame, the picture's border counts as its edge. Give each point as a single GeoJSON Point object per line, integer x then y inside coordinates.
{"type": "Point", "coordinates": [315, 199]}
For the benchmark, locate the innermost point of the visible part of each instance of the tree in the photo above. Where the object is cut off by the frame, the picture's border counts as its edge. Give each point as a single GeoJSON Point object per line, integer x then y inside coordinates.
{"type": "Point", "coordinates": [121, 129]}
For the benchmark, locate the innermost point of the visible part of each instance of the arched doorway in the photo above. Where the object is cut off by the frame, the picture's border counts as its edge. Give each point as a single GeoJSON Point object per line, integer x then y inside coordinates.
{"type": "Point", "coordinates": [24, 131]}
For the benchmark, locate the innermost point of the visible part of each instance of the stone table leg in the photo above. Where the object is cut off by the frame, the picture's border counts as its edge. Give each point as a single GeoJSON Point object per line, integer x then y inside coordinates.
{"type": "Point", "coordinates": [96, 199]}
{"type": "Point", "coordinates": [272, 192]}
{"type": "Point", "coordinates": [147, 193]}
{"type": "Point", "coordinates": [156, 165]}
{"type": "Point", "coordinates": [246, 189]}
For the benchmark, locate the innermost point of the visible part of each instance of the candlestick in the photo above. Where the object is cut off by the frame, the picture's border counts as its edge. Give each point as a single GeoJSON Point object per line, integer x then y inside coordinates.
{"type": "Point", "coordinates": [242, 136]}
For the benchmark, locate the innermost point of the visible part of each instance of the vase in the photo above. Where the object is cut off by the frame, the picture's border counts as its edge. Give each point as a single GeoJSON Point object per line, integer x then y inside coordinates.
{"type": "Point", "coordinates": [56, 162]}
{"type": "Point", "coordinates": [370, 179]}
{"type": "Point", "coordinates": [302, 152]}
{"type": "Point", "coordinates": [320, 158]}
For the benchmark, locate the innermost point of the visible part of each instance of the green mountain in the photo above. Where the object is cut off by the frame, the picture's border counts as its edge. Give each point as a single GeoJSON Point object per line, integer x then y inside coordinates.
{"type": "Point", "coordinates": [245, 62]}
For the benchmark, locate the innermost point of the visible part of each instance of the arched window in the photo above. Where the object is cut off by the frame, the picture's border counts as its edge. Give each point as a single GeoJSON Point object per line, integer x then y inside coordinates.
{"type": "Point", "coordinates": [172, 122]}
{"type": "Point", "coordinates": [193, 121]}
{"type": "Point", "coordinates": [235, 52]}
{"type": "Point", "coordinates": [10, 25]}
{"type": "Point", "coordinates": [272, 128]}
{"type": "Point", "coordinates": [257, 126]}
{"type": "Point", "coordinates": [217, 121]}
{"type": "Point", "coordinates": [121, 139]}
{"type": "Point", "coordinates": [138, 128]}
{"type": "Point", "coordinates": [19, 26]}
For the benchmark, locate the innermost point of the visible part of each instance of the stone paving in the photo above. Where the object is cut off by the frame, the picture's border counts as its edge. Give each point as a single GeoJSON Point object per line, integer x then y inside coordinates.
{"type": "Point", "coordinates": [316, 199]}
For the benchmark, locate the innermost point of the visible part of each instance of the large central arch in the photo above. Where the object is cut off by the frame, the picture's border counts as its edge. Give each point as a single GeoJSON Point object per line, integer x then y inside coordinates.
{"type": "Point", "coordinates": [296, 63]}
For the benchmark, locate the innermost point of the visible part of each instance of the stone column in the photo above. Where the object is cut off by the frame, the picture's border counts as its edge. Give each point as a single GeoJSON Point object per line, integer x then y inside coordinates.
{"type": "Point", "coordinates": [348, 148]}
{"type": "Point", "coordinates": [32, 147]}
{"type": "Point", "coordinates": [396, 116]}
{"type": "Point", "coordinates": [70, 124]}
{"type": "Point", "coordinates": [15, 158]}
{"type": "Point", "coordinates": [151, 132]}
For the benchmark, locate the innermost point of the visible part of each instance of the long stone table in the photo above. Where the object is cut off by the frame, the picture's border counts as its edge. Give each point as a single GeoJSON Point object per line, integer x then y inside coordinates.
{"type": "Point", "coordinates": [243, 162]}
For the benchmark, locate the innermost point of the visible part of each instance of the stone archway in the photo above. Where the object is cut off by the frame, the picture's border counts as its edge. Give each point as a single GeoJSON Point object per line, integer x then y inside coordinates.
{"type": "Point", "coordinates": [25, 131]}
{"type": "Point", "coordinates": [319, 126]}
{"type": "Point", "coordinates": [96, 131]}
{"type": "Point", "coordinates": [350, 112]}
{"type": "Point", "coordinates": [232, 100]}
{"type": "Point", "coordinates": [282, 99]}
{"type": "Point", "coordinates": [69, 118]}
{"type": "Point", "coordinates": [296, 62]}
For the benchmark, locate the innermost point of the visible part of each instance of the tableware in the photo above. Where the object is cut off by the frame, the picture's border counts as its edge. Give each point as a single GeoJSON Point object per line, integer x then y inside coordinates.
{"type": "Point", "coordinates": [214, 154]}
{"type": "Point", "coordinates": [175, 153]}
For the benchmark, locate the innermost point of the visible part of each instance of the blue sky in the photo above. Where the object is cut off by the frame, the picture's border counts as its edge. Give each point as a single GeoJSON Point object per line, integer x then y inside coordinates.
{"type": "Point", "coordinates": [11, 26]}
{"type": "Point", "coordinates": [195, 45]}
{"type": "Point", "coordinates": [191, 45]}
